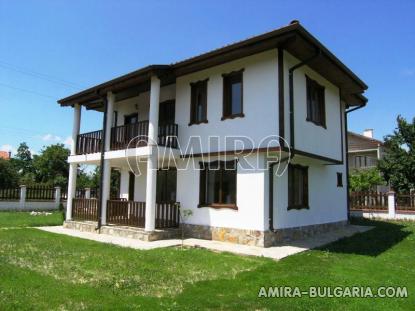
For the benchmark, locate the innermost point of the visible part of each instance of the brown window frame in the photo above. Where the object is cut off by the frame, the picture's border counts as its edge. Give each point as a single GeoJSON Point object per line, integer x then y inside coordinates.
{"type": "Point", "coordinates": [195, 89]}
{"type": "Point", "coordinates": [292, 187]}
{"type": "Point", "coordinates": [203, 191]}
{"type": "Point", "coordinates": [339, 176]}
{"type": "Point", "coordinates": [228, 80]}
{"type": "Point", "coordinates": [313, 86]}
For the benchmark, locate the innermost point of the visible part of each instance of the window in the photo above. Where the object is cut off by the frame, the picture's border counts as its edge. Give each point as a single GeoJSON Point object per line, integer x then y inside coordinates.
{"type": "Point", "coordinates": [218, 184]}
{"type": "Point", "coordinates": [316, 111]}
{"type": "Point", "coordinates": [297, 187]}
{"type": "Point", "coordinates": [198, 106]}
{"type": "Point", "coordinates": [232, 95]}
{"type": "Point", "coordinates": [166, 185]}
{"type": "Point", "coordinates": [339, 179]}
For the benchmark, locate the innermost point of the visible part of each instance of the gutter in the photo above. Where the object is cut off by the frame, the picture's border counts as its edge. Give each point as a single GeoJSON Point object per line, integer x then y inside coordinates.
{"type": "Point", "coordinates": [347, 158]}
{"type": "Point", "coordinates": [102, 167]}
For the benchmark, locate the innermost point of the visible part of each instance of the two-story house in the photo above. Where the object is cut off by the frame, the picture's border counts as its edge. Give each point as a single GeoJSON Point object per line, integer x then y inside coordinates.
{"type": "Point", "coordinates": [248, 139]}
{"type": "Point", "coordinates": [364, 151]}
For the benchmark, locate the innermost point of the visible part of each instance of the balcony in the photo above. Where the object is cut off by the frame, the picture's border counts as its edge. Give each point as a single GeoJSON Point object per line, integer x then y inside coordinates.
{"type": "Point", "coordinates": [127, 136]}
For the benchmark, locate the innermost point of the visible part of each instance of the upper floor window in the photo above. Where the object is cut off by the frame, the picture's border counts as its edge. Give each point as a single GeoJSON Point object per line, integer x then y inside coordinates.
{"type": "Point", "coordinates": [297, 186]}
{"type": "Point", "coordinates": [316, 111]}
{"type": "Point", "coordinates": [218, 184]}
{"type": "Point", "coordinates": [233, 95]}
{"type": "Point", "coordinates": [198, 106]}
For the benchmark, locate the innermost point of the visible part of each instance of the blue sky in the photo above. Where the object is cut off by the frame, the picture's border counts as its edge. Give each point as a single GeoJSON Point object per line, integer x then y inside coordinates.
{"type": "Point", "coordinates": [51, 49]}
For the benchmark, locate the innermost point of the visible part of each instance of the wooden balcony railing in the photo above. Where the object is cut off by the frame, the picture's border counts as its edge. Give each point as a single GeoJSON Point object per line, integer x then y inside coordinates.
{"type": "Point", "coordinates": [167, 135]}
{"type": "Point", "coordinates": [129, 135]}
{"type": "Point", "coordinates": [136, 135]}
{"type": "Point", "coordinates": [85, 209]}
{"type": "Point", "coordinates": [126, 213]}
{"type": "Point", "coordinates": [167, 215]}
{"type": "Point", "coordinates": [131, 213]}
{"type": "Point", "coordinates": [89, 142]}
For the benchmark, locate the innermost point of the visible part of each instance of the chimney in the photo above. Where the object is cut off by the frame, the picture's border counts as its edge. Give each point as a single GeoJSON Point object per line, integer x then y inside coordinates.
{"type": "Point", "coordinates": [10, 154]}
{"type": "Point", "coordinates": [368, 133]}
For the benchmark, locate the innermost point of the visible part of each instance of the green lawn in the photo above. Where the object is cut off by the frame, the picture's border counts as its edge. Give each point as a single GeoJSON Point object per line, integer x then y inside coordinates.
{"type": "Point", "coordinates": [24, 219]}
{"type": "Point", "coordinates": [40, 270]}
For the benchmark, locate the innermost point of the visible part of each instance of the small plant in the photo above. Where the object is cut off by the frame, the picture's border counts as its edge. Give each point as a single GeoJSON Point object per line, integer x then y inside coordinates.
{"type": "Point", "coordinates": [184, 215]}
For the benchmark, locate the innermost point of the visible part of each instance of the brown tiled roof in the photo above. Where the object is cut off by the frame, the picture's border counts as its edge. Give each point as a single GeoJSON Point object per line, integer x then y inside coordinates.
{"type": "Point", "coordinates": [360, 142]}
{"type": "Point", "coordinates": [4, 155]}
{"type": "Point", "coordinates": [294, 38]}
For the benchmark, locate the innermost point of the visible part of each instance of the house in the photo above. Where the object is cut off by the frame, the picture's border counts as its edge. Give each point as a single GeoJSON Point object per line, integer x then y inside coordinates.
{"type": "Point", "coordinates": [6, 155]}
{"type": "Point", "coordinates": [364, 151]}
{"type": "Point", "coordinates": [247, 140]}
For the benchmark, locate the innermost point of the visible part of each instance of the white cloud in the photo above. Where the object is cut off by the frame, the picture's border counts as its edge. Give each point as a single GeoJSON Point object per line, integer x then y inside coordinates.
{"type": "Point", "coordinates": [51, 137]}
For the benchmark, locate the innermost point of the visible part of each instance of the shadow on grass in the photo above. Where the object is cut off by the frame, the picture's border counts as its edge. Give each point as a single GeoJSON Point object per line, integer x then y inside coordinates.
{"type": "Point", "coordinates": [374, 242]}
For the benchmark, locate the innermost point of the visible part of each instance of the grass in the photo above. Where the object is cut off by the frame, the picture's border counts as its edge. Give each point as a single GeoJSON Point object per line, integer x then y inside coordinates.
{"type": "Point", "coordinates": [24, 219]}
{"type": "Point", "coordinates": [46, 271]}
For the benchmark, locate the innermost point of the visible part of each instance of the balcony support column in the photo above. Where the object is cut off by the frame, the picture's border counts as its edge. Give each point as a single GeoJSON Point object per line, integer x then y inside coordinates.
{"type": "Point", "coordinates": [76, 127]}
{"type": "Point", "coordinates": [152, 164]}
{"type": "Point", "coordinates": [106, 167]}
{"type": "Point", "coordinates": [73, 167]}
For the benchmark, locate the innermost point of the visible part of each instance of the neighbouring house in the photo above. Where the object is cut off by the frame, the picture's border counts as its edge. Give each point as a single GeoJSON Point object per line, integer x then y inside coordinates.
{"type": "Point", "coordinates": [5, 155]}
{"type": "Point", "coordinates": [364, 151]}
{"type": "Point", "coordinates": [255, 132]}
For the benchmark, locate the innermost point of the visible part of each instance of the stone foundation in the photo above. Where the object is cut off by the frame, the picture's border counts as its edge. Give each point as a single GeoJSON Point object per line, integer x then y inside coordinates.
{"type": "Point", "coordinates": [231, 235]}
{"type": "Point", "coordinates": [257, 237]}
{"type": "Point", "coordinates": [286, 235]}
{"type": "Point", "coordinates": [124, 232]}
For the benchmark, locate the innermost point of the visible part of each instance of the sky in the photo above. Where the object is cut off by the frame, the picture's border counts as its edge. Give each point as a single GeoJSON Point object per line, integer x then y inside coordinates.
{"type": "Point", "coordinates": [52, 49]}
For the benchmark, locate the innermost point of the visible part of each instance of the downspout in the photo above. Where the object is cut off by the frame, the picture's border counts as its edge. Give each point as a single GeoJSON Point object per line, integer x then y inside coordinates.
{"type": "Point", "coordinates": [347, 158]}
{"type": "Point", "coordinates": [101, 178]}
{"type": "Point", "coordinates": [271, 194]}
{"type": "Point", "coordinates": [291, 93]}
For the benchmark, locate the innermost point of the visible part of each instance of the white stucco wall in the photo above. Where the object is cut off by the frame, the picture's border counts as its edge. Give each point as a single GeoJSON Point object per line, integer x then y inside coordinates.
{"type": "Point", "coordinates": [139, 184]}
{"type": "Point", "coordinates": [260, 102]}
{"type": "Point", "coordinates": [308, 136]}
{"type": "Point", "coordinates": [251, 198]}
{"type": "Point", "coordinates": [327, 202]}
{"type": "Point", "coordinates": [141, 104]}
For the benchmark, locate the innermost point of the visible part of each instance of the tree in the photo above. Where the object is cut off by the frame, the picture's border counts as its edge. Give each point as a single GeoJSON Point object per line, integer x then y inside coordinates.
{"type": "Point", "coordinates": [365, 180]}
{"type": "Point", "coordinates": [398, 164]}
{"type": "Point", "coordinates": [23, 164]}
{"type": "Point", "coordinates": [51, 166]}
{"type": "Point", "coordinates": [8, 175]}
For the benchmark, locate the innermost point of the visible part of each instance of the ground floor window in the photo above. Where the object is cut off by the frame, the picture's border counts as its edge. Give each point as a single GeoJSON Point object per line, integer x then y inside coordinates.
{"type": "Point", "coordinates": [297, 186]}
{"type": "Point", "coordinates": [166, 185]}
{"type": "Point", "coordinates": [218, 184]}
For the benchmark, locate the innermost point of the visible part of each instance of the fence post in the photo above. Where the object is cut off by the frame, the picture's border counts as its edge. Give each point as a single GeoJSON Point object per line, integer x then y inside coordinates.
{"type": "Point", "coordinates": [87, 193]}
{"type": "Point", "coordinates": [391, 204]}
{"type": "Point", "coordinates": [57, 196]}
{"type": "Point", "coordinates": [22, 196]}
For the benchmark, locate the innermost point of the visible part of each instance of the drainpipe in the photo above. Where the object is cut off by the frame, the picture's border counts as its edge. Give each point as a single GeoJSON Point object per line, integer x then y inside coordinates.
{"type": "Point", "coordinates": [271, 193]}
{"type": "Point", "coordinates": [347, 158]}
{"type": "Point", "coordinates": [101, 179]}
{"type": "Point", "coordinates": [291, 93]}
